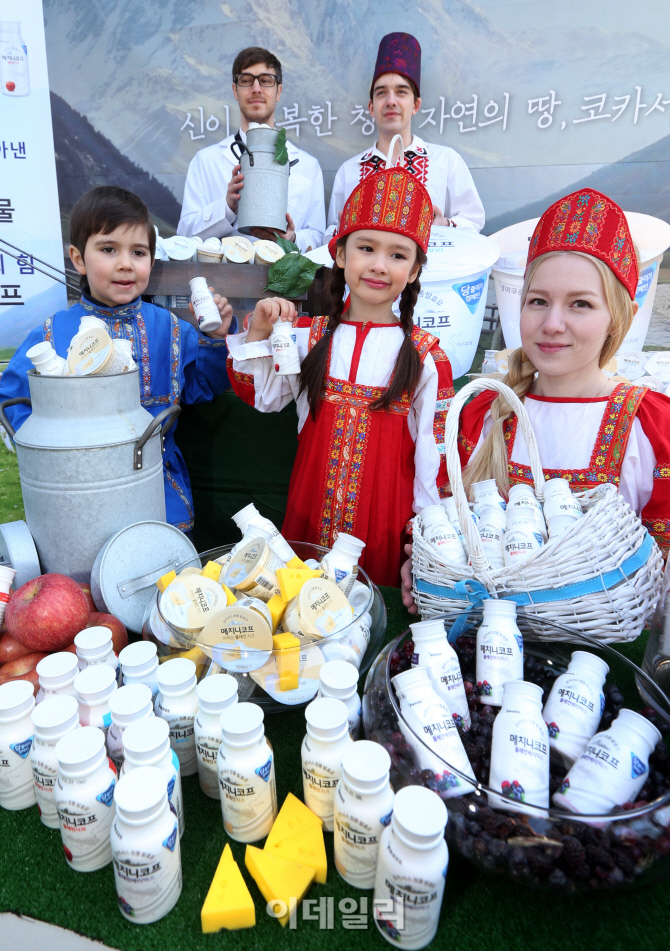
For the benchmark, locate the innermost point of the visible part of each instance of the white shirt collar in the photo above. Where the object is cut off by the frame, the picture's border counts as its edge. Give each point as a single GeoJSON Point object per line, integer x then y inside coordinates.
{"type": "Point", "coordinates": [416, 145]}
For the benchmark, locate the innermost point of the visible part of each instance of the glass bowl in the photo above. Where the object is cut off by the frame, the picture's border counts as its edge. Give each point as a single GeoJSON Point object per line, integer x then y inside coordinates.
{"type": "Point", "coordinates": [260, 685]}
{"type": "Point", "coordinates": [555, 851]}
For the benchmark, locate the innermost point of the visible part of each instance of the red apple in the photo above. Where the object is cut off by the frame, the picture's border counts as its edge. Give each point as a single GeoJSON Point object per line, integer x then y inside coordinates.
{"type": "Point", "coordinates": [21, 665]}
{"type": "Point", "coordinates": [30, 676]}
{"type": "Point", "coordinates": [119, 633]}
{"type": "Point", "coordinates": [47, 612]}
{"type": "Point", "coordinates": [9, 648]}
{"type": "Point", "coordinates": [86, 588]}
{"type": "Point", "coordinates": [10, 86]}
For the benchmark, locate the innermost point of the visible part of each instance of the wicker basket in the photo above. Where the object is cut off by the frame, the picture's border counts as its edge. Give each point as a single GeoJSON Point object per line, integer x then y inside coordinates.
{"type": "Point", "coordinates": [601, 577]}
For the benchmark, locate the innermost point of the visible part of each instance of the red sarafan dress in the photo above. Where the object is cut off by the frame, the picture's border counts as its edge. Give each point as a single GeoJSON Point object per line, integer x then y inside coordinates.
{"type": "Point", "coordinates": [357, 471]}
{"type": "Point", "coordinates": [623, 438]}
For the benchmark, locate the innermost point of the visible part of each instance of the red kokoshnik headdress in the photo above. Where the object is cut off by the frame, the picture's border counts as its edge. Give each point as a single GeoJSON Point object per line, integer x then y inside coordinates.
{"type": "Point", "coordinates": [592, 223]}
{"type": "Point", "coordinates": [390, 200]}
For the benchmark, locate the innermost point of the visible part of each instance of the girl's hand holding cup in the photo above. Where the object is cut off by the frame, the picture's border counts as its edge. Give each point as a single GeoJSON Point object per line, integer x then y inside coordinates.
{"type": "Point", "coordinates": [267, 312]}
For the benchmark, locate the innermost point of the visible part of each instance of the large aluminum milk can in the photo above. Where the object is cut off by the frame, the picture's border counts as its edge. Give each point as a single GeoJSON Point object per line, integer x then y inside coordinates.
{"type": "Point", "coordinates": [264, 198]}
{"type": "Point", "coordinates": [90, 463]}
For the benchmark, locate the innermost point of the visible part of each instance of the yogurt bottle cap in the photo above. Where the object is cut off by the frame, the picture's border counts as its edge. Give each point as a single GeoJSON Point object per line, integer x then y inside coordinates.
{"type": "Point", "coordinates": [81, 751]}
{"type": "Point", "coordinates": [93, 642]}
{"type": "Point", "coordinates": [522, 688]}
{"type": "Point", "coordinates": [486, 487]}
{"type": "Point", "coordinates": [327, 719]}
{"type": "Point", "coordinates": [130, 703]}
{"type": "Point", "coordinates": [591, 660]}
{"type": "Point", "coordinates": [216, 693]}
{"type": "Point", "coordinates": [138, 658]}
{"type": "Point", "coordinates": [339, 679]}
{"type": "Point", "coordinates": [419, 817]}
{"type": "Point", "coordinates": [242, 724]}
{"type": "Point", "coordinates": [499, 606]}
{"type": "Point", "coordinates": [58, 669]}
{"type": "Point", "coordinates": [411, 678]}
{"type": "Point", "coordinates": [640, 724]}
{"type": "Point", "coordinates": [147, 740]}
{"type": "Point", "coordinates": [556, 487]}
{"type": "Point", "coordinates": [365, 766]}
{"type": "Point", "coordinates": [176, 676]}
{"type": "Point", "coordinates": [432, 629]}
{"type": "Point", "coordinates": [95, 684]}
{"type": "Point", "coordinates": [140, 795]}
{"type": "Point", "coordinates": [55, 716]}
{"type": "Point", "coordinates": [245, 514]}
{"type": "Point", "coordinates": [16, 699]}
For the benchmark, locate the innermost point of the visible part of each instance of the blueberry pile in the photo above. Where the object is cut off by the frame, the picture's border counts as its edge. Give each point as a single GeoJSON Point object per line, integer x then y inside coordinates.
{"type": "Point", "coordinates": [564, 855]}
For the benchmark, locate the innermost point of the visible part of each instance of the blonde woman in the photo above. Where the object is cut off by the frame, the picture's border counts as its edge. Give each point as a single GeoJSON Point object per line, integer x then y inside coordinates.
{"type": "Point", "coordinates": [578, 302]}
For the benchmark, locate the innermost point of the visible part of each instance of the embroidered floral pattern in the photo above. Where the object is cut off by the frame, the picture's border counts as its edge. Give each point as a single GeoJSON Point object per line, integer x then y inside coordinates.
{"type": "Point", "coordinates": [659, 529]}
{"type": "Point", "coordinates": [172, 482]}
{"type": "Point", "coordinates": [442, 404]}
{"type": "Point", "coordinates": [247, 379]}
{"type": "Point", "coordinates": [120, 312]}
{"type": "Point", "coordinates": [48, 329]}
{"type": "Point", "coordinates": [351, 430]}
{"type": "Point", "coordinates": [357, 395]}
{"type": "Point", "coordinates": [662, 472]}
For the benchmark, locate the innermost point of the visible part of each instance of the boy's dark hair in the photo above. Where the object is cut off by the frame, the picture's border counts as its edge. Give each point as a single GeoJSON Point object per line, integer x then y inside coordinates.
{"type": "Point", "coordinates": [253, 55]}
{"type": "Point", "coordinates": [102, 210]}
{"type": "Point", "coordinates": [411, 83]}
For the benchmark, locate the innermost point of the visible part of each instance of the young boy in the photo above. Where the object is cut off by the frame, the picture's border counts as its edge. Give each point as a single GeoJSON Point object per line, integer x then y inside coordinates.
{"type": "Point", "coordinates": [113, 245]}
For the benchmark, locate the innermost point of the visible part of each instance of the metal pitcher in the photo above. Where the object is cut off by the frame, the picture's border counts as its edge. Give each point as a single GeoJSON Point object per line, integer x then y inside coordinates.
{"type": "Point", "coordinates": [90, 463]}
{"type": "Point", "coordinates": [264, 198]}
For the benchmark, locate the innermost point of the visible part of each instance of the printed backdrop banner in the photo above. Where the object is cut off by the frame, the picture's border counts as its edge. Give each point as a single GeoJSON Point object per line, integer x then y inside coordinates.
{"type": "Point", "coordinates": [538, 97]}
{"type": "Point", "coordinates": [29, 212]}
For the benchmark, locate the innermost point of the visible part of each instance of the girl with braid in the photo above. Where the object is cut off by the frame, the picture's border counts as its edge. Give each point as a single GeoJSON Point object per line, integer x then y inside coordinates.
{"type": "Point", "coordinates": [373, 390]}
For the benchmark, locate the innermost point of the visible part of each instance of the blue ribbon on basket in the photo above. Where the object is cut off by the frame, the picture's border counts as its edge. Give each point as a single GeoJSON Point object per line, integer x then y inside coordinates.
{"type": "Point", "coordinates": [473, 592]}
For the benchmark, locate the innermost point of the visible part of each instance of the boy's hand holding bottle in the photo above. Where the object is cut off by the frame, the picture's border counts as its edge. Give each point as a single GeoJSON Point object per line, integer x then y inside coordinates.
{"type": "Point", "coordinates": [267, 312]}
{"type": "Point", "coordinates": [226, 311]}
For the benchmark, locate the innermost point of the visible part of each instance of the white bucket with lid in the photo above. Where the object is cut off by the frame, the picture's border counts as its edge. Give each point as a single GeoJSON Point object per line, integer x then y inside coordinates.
{"type": "Point", "coordinates": [454, 283]}
{"type": "Point", "coordinates": [651, 237]}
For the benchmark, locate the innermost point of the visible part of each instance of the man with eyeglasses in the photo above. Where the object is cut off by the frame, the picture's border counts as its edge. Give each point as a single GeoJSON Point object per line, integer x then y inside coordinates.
{"type": "Point", "coordinates": [214, 180]}
{"type": "Point", "coordinates": [394, 99]}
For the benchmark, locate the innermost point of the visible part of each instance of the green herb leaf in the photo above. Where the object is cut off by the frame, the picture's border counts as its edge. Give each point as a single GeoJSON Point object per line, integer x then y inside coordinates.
{"type": "Point", "coordinates": [281, 153]}
{"type": "Point", "coordinates": [291, 275]}
{"type": "Point", "coordinates": [285, 245]}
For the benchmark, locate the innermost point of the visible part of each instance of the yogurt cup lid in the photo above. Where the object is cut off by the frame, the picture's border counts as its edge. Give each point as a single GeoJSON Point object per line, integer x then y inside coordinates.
{"type": "Point", "coordinates": [191, 600]}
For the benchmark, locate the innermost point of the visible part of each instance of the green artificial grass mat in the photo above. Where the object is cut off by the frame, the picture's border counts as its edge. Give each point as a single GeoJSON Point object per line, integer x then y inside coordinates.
{"type": "Point", "coordinates": [478, 910]}
{"type": "Point", "coordinates": [11, 499]}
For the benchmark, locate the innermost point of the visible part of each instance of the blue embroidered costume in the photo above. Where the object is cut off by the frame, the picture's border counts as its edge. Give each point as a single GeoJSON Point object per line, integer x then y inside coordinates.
{"type": "Point", "coordinates": [176, 364]}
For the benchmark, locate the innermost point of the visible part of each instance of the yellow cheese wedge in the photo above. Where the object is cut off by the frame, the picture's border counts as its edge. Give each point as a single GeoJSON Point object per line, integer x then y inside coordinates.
{"type": "Point", "coordinates": [291, 580]}
{"type": "Point", "coordinates": [294, 817]}
{"type": "Point", "coordinates": [276, 607]}
{"type": "Point", "coordinates": [228, 903]}
{"type": "Point", "coordinates": [295, 562]}
{"type": "Point", "coordinates": [288, 660]}
{"type": "Point", "coordinates": [212, 570]}
{"type": "Point", "coordinates": [165, 580]}
{"type": "Point", "coordinates": [230, 597]}
{"type": "Point", "coordinates": [278, 879]}
{"type": "Point", "coordinates": [307, 848]}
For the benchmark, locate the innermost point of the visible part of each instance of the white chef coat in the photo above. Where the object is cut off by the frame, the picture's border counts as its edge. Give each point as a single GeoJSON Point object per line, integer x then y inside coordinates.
{"type": "Point", "coordinates": [566, 433]}
{"type": "Point", "coordinates": [377, 359]}
{"type": "Point", "coordinates": [439, 168]}
{"type": "Point", "coordinates": [205, 211]}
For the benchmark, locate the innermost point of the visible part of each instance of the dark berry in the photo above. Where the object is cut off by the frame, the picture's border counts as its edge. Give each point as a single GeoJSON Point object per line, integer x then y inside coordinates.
{"type": "Point", "coordinates": [409, 649]}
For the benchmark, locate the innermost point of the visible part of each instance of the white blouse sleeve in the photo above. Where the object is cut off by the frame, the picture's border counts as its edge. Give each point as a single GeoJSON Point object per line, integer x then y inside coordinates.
{"type": "Point", "coordinates": [420, 423]}
{"type": "Point", "coordinates": [271, 391]}
{"type": "Point", "coordinates": [637, 469]}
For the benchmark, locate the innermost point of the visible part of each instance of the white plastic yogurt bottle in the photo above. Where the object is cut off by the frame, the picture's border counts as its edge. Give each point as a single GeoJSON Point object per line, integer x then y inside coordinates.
{"type": "Point", "coordinates": [350, 644]}
{"type": "Point", "coordinates": [124, 348]}
{"type": "Point", "coordinates": [322, 749]}
{"type": "Point", "coordinates": [246, 770]}
{"type": "Point", "coordinates": [215, 694]}
{"type": "Point", "coordinates": [486, 493]}
{"type": "Point", "coordinates": [252, 525]}
{"type": "Point", "coordinates": [339, 680]}
{"type": "Point", "coordinates": [139, 665]}
{"type": "Point", "coordinates": [449, 506]}
{"type": "Point", "coordinates": [52, 719]}
{"type": "Point", "coordinates": [45, 360]}
{"type": "Point", "coordinates": [441, 535]}
{"type": "Point", "coordinates": [14, 74]}
{"type": "Point", "coordinates": [433, 651]}
{"type": "Point", "coordinates": [499, 650]}
{"type": "Point", "coordinates": [177, 702]}
{"type": "Point", "coordinates": [206, 312]}
{"type": "Point", "coordinates": [17, 787]}
{"type": "Point", "coordinates": [523, 498]}
{"type": "Point", "coordinates": [575, 706]}
{"type": "Point", "coordinates": [94, 646]}
{"type": "Point", "coordinates": [147, 743]}
{"type": "Point", "coordinates": [94, 687]}
{"type": "Point", "coordinates": [522, 538]}
{"type": "Point", "coordinates": [491, 528]}
{"type": "Point", "coordinates": [412, 869]}
{"type": "Point", "coordinates": [7, 575]}
{"type": "Point", "coordinates": [561, 508]}
{"type": "Point", "coordinates": [613, 767]}
{"type": "Point", "coordinates": [126, 705]}
{"type": "Point", "coordinates": [363, 807]}
{"type": "Point", "coordinates": [84, 796]}
{"type": "Point", "coordinates": [285, 355]}
{"type": "Point", "coordinates": [520, 750]}
{"type": "Point", "coordinates": [429, 728]}
{"type": "Point", "coordinates": [340, 564]}
{"type": "Point", "coordinates": [145, 847]}
{"type": "Point", "coordinates": [56, 675]}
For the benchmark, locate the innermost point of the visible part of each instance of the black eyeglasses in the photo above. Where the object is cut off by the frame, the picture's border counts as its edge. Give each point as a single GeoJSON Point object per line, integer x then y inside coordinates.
{"type": "Point", "coordinates": [248, 79]}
